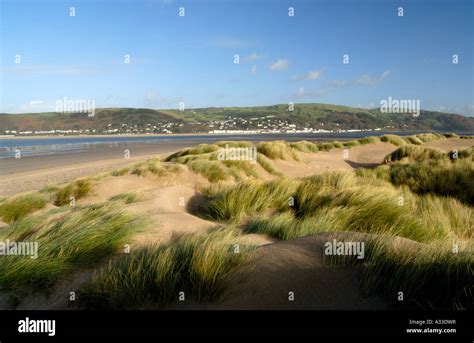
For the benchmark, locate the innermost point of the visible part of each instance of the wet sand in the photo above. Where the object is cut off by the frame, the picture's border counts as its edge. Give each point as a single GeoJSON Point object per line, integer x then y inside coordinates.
{"type": "Point", "coordinates": [102, 152]}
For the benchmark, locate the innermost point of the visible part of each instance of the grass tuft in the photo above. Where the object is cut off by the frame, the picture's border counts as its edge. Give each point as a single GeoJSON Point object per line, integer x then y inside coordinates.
{"type": "Point", "coordinates": [198, 265]}
{"type": "Point", "coordinates": [15, 208]}
{"type": "Point", "coordinates": [277, 150]}
{"type": "Point", "coordinates": [77, 189]}
{"type": "Point", "coordinates": [77, 238]}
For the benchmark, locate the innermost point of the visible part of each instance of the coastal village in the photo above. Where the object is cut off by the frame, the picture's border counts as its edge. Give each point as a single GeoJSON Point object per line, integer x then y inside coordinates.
{"type": "Point", "coordinates": [231, 125]}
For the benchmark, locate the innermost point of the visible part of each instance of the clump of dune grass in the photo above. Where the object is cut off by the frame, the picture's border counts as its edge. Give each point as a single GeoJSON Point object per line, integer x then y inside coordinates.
{"type": "Point", "coordinates": [381, 172]}
{"type": "Point", "coordinates": [422, 218]}
{"type": "Point", "coordinates": [174, 168]}
{"type": "Point", "coordinates": [304, 146]}
{"type": "Point", "coordinates": [77, 189]}
{"type": "Point", "coordinates": [232, 203]}
{"type": "Point", "coordinates": [413, 140]}
{"type": "Point", "coordinates": [430, 137]}
{"type": "Point", "coordinates": [434, 171]}
{"type": "Point", "coordinates": [100, 176]}
{"type": "Point", "coordinates": [214, 171]}
{"type": "Point", "coordinates": [277, 150]}
{"type": "Point", "coordinates": [151, 166]}
{"type": "Point", "coordinates": [441, 177]}
{"type": "Point", "coordinates": [234, 144]}
{"type": "Point", "coordinates": [20, 206]}
{"type": "Point", "coordinates": [199, 150]}
{"type": "Point", "coordinates": [357, 205]}
{"type": "Point", "coordinates": [463, 153]}
{"type": "Point", "coordinates": [286, 226]}
{"type": "Point", "coordinates": [369, 140]}
{"type": "Point", "coordinates": [445, 213]}
{"type": "Point", "coordinates": [236, 167]}
{"type": "Point", "coordinates": [393, 139]}
{"type": "Point", "coordinates": [198, 265]}
{"type": "Point", "coordinates": [267, 164]}
{"type": "Point", "coordinates": [337, 202]}
{"type": "Point", "coordinates": [127, 198]}
{"type": "Point", "coordinates": [326, 146]}
{"type": "Point", "coordinates": [415, 153]}
{"type": "Point", "coordinates": [121, 171]}
{"type": "Point", "coordinates": [206, 161]}
{"type": "Point", "coordinates": [351, 144]}
{"type": "Point", "coordinates": [66, 240]}
{"type": "Point", "coordinates": [451, 135]}
{"type": "Point", "coordinates": [49, 189]}
{"type": "Point", "coordinates": [414, 270]}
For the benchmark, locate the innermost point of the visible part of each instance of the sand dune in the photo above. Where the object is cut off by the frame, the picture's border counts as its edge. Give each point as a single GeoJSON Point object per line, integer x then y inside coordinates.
{"type": "Point", "coordinates": [452, 143]}
{"type": "Point", "coordinates": [299, 266]}
{"type": "Point", "coordinates": [277, 268]}
{"type": "Point", "coordinates": [357, 157]}
{"type": "Point", "coordinates": [35, 180]}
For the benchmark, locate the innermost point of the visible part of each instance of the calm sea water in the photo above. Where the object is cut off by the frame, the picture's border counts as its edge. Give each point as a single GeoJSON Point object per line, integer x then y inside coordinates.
{"type": "Point", "coordinates": [70, 145]}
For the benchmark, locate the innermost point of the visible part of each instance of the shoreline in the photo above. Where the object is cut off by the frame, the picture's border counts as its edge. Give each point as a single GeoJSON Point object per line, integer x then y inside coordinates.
{"type": "Point", "coordinates": [105, 136]}
{"type": "Point", "coordinates": [34, 180]}
{"type": "Point", "coordinates": [143, 135]}
{"type": "Point", "coordinates": [204, 134]}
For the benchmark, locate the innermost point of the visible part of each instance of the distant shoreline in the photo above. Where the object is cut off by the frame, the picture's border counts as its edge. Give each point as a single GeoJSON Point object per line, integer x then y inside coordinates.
{"type": "Point", "coordinates": [6, 137]}
{"type": "Point", "coordinates": [106, 136]}
{"type": "Point", "coordinates": [203, 134]}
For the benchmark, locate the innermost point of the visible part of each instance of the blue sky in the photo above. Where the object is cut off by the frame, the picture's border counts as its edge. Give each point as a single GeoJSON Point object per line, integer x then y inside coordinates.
{"type": "Point", "coordinates": [191, 59]}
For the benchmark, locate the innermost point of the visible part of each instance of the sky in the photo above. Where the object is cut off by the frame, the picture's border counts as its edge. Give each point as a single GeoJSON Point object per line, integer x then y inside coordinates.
{"type": "Point", "coordinates": [48, 55]}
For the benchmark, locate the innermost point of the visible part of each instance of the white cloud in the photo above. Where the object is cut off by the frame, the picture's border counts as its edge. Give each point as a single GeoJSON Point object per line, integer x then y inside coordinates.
{"type": "Point", "coordinates": [363, 80]}
{"type": "Point", "coordinates": [252, 57]}
{"type": "Point", "coordinates": [229, 42]}
{"type": "Point", "coordinates": [369, 80]}
{"type": "Point", "coordinates": [254, 69]}
{"type": "Point", "coordinates": [281, 64]}
{"type": "Point", "coordinates": [337, 83]}
{"type": "Point", "coordinates": [311, 75]}
{"type": "Point", "coordinates": [331, 85]}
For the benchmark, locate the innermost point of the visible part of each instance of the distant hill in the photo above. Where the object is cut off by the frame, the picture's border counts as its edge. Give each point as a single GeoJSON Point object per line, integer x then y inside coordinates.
{"type": "Point", "coordinates": [316, 116]}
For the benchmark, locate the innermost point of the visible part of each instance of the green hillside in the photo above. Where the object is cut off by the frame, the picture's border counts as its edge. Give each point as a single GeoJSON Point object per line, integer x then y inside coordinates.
{"type": "Point", "coordinates": [316, 116]}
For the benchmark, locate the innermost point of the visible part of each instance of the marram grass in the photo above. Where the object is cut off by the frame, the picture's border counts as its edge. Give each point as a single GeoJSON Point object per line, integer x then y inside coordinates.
{"type": "Point", "coordinates": [198, 265]}
{"type": "Point", "coordinates": [428, 277]}
{"type": "Point", "coordinates": [66, 240]}
{"type": "Point", "coordinates": [338, 202]}
{"type": "Point", "coordinates": [77, 189]}
{"type": "Point", "coordinates": [17, 207]}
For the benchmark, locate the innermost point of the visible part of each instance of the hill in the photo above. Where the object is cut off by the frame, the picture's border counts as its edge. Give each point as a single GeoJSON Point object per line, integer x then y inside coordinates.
{"type": "Point", "coordinates": [266, 118]}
